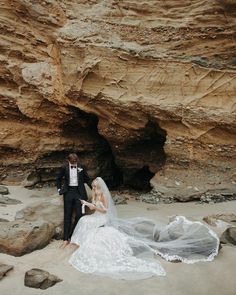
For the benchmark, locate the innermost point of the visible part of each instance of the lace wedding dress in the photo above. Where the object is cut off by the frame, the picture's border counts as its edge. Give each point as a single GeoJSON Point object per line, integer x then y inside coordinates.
{"type": "Point", "coordinates": [128, 249]}
{"type": "Point", "coordinates": [104, 250]}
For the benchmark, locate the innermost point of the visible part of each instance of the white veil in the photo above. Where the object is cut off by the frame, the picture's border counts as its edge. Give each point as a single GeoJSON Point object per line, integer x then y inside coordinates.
{"type": "Point", "coordinates": [181, 239]}
{"type": "Point", "coordinates": [111, 210]}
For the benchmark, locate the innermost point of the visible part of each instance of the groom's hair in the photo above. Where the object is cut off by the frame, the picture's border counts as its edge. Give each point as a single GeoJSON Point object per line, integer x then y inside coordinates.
{"type": "Point", "coordinates": [73, 157]}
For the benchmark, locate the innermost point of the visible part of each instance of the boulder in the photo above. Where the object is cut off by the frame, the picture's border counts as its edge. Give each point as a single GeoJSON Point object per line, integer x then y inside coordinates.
{"type": "Point", "coordinates": [229, 236]}
{"type": "Point", "coordinates": [20, 237]}
{"type": "Point", "coordinates": [4, 269]}
{"type": "Point", "coordinates": [50, 212]}
{"type": "Point", "coordinates": [8, 201]}
{"type": "Point", "coordinates": [4, 190]}
{"type": "Point", "coordinates": [118, 199]}
{"type": "Point", "coordinates": [38, 278]}
{"type": "Point", "coordinates": [213, 220]}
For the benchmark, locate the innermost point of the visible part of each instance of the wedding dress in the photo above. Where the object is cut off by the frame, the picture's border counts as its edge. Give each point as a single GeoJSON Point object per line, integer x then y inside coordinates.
{"type": "Point", "coordinates": [128, 249]}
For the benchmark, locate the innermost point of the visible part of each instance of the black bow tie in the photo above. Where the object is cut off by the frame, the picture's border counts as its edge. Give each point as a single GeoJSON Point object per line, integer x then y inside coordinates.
{"type": "Point", "coordinates": [73, 167]}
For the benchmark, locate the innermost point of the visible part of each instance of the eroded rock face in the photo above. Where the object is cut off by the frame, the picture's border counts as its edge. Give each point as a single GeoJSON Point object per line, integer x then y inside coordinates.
{"type": "Point", "coordinates": [33, 228]}
{"type": "Point", "coordinates": [229, 236]}
{"type": "Point", "coordinates": [4, 190]}
{"type": "Point", "coordinates": [8, 201]}
{"type": "Point", "coordinates": [20, 237]}
{"type": "Point", "coordinates": [228, 218]}
{"type": "Point", "coordinates": [4, 269]}
{"type": "Point", "coordinates": [137, 89]}
{"type": "Point", "coordinates": [38, 278]}
{"type": "Point", "coordinates": [50, 212]}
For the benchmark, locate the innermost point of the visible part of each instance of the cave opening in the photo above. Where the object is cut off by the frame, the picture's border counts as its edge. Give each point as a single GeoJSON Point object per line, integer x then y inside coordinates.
{"type": "Point", "coordinates": [132, 167]}
{"type": "Point", "coordinates": [146, 155]}
{"type": "Point", "coordinates": [138, 179]}
{"type": "Point", "coordinates": [97, 154]}
{"type": "Point", "coordinates": [80, 135]}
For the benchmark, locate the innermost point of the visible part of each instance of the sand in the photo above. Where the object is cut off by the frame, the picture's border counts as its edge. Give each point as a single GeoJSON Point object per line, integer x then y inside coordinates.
{"type": "Point", "coordinates": [205, 278]}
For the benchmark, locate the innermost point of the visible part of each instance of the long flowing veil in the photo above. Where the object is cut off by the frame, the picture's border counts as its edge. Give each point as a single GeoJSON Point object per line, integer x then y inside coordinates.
{"type": "Point", "coordinates": [182, 239]}
{"type": "Point", "coordinates": [111, 210]}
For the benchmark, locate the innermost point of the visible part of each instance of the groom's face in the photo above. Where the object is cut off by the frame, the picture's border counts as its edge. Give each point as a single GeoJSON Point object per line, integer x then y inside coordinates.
{"type": "Point", "coordinates": [73, 161]}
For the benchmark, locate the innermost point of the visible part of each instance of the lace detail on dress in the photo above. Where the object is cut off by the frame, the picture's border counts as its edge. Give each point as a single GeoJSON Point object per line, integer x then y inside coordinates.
{"type": "Point", "coordinates": [116, 247]}
{"type": "Point", "coordinates": [106, 251]}
{"type": "Point", "coordinates": [86, 223]}
{"type": "Point", "coordinates": [99, 204]}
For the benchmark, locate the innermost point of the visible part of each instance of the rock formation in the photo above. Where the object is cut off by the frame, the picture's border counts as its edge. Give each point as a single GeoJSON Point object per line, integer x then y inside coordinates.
{"type": "Point", "coordinates": [38, 278]}
{"type": "Point", "coordinates": [229, 236]}
{"type": "Point", "coordinates": [212, 220]}
{"type": "Point", "coordinates": [33, 228]}
{"type": "Point", "coordinates": [21, 237]}
{"type": "Point", "coordinates": [139, 89]}
{"type": "Point", "coordinates": [4, 269]}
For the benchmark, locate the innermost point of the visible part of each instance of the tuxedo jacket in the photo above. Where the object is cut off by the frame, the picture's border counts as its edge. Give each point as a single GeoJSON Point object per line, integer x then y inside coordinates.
{"type": "Point", "coordinates": [63, 180]}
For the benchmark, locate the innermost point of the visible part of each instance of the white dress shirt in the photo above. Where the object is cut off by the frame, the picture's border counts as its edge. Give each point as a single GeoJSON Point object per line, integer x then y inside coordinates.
{"type": "Point", "coordinates": [73, 176]}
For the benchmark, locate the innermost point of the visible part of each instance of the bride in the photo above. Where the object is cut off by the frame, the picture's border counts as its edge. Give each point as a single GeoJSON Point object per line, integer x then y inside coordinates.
{"type": "Point", "coordinates": [127, 249]}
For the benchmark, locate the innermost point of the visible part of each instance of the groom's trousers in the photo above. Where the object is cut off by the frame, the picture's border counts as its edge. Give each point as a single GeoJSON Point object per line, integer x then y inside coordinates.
{"type": "Point", "coordinates": [71, 201]}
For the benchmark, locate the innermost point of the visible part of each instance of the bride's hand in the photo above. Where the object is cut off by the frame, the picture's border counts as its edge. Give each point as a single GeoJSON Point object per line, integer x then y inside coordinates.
{"type": "Point", "coordinates": [92, 207]}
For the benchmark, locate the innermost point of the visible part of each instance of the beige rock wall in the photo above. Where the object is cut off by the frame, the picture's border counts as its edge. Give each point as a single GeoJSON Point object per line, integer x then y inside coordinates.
{"type": "Point", "coordinates": [126, 84]}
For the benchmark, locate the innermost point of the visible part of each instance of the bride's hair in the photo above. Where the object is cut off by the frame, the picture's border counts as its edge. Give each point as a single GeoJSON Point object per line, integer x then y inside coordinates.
{"type": "Point", "coordinates": [94, 194]}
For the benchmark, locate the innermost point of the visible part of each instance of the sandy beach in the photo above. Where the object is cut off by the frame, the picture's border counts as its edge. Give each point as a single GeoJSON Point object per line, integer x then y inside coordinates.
{"type": "Point", "coordinates": [205, 278]}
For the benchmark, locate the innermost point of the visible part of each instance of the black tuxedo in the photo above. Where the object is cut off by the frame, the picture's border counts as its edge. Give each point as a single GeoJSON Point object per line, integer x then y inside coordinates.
{"type": "Point", "coordinates": [63, 179]}
{"type": "Point", "coordinates": [72, 195]}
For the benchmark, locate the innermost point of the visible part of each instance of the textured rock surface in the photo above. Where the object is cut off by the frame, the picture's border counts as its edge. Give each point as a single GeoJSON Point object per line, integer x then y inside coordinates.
{"type": "Point", "coordinates": [229, 236]}
{"type": "Point", "coordinates": [50, 212]}
{"type": "Point", "coordinates": [4, 190]}
{"type": "Point", "coordinates": [8, 201]}
{"type": "Point", "coordinates": [4, 269]}
{"type": "Point", "coordinates": [137, 88]}
{"type": "Point", "coordinates": [21, 237]}
{"type": "Point", "coordinates": [38, 278]}
{"type": "Point", "coordinates": [228, 218]}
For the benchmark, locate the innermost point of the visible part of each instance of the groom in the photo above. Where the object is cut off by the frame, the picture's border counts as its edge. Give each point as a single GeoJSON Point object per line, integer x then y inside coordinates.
{"type": "Point", "coordinates": [70, 184]}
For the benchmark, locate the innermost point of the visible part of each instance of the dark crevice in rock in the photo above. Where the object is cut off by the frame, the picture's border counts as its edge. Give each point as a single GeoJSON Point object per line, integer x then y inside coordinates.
{"type": "Point", "coordinates": [97, 154]}
{"type": "Point", "coordinates": [147, 155]}
{"type": "Point", "coordinates": [131, 166]}
{"type": "Point", "coordinates": [83, 139]}
{"type": "Point", "coordinates": [6, 150]}
{"type": "Point", "coordinates": [228, 5]}
{"type": "Point", "coordinates": [138, 179]}
{"type": "Point", "coordinates": [79, 123]}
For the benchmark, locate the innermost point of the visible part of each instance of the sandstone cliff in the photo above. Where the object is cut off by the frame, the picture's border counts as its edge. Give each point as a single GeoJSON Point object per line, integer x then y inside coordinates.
{"type": "Point", "coordinates": [140, 89]}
